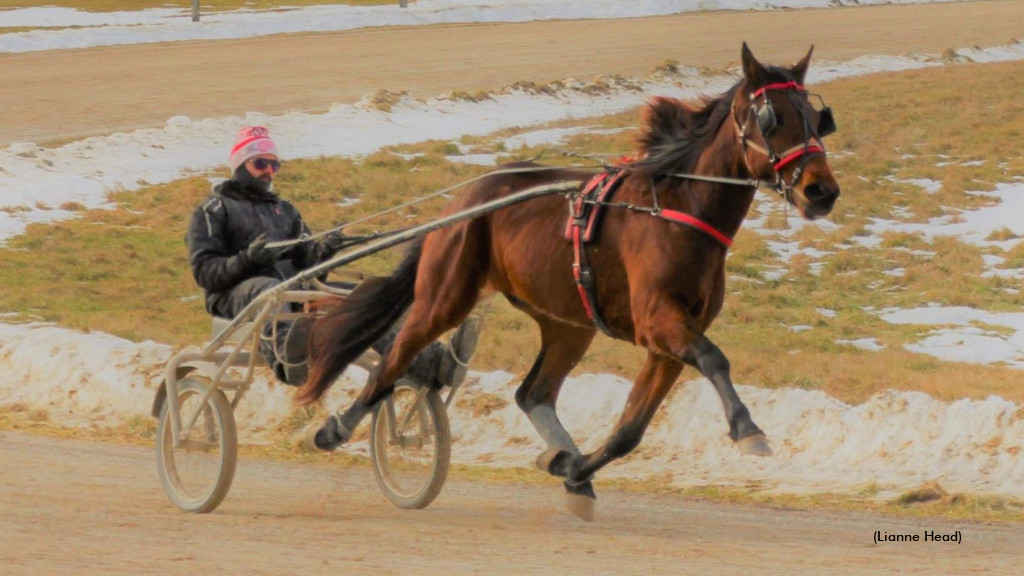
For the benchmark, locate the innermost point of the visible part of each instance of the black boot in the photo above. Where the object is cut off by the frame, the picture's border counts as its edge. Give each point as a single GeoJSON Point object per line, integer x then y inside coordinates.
{"type": "Point", "coordinates": [451, 371]}
{"type": "Point", "coordinates": [293, 369]}
{"type": "Point", "coordinates": [423, 367]}
{"type": "Point", "coordinates": [437, 365]}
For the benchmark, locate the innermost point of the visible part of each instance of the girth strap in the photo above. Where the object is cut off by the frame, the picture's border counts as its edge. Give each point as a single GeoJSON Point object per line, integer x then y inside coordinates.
{"type": "Point", "coordinates": [583, 274]}
{"type": "Point", "coordinates": [584, 220]}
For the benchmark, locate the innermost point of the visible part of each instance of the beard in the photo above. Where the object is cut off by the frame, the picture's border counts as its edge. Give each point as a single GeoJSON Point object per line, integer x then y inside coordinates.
{"type": "Point", "coordinates": [257, 186]}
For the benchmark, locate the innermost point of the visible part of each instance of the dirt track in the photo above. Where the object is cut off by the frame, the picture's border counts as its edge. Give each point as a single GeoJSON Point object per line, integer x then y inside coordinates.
{"type": "Point", "coordinates": [75, 508]}
{"type": "Point", "coordinates": [58, 95]}
{"type": "Point", "coordinates": [71, 508]}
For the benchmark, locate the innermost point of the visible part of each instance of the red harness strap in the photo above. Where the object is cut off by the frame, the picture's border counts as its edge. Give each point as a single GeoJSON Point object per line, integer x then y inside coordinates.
{"type": "Point", "coordinates": [791, 85]}
{"type": "Point", "coordinates": [586, 209]}
{"type": "Point", "coordinates": [589, 206]}
{"type": "Point", "coordinates": [580, 209]}
{"type": "Point", "coordinates": [692, 221]}
{"type": "Point", "coordinates": [584, 221]}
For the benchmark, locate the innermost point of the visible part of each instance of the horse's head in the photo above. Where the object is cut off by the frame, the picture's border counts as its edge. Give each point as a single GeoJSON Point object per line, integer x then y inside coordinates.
{"type": "Point", "coordinates": [781, 134]}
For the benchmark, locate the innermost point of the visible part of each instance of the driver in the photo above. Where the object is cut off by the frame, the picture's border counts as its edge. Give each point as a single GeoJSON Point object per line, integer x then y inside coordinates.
{"type": "Point", "coordinates": [229, 249]}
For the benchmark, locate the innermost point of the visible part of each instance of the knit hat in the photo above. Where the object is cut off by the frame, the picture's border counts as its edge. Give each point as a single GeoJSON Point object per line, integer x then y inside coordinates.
{"type": "Point", "coordinates": [252, 141]}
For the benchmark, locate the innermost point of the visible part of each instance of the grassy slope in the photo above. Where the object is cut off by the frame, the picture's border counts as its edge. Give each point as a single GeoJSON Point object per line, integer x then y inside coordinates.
{"type": "Point", "coordinates": [890, 127]}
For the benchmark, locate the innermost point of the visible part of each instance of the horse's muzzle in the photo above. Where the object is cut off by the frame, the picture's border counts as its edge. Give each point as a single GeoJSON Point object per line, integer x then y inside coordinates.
{"type": "Point", "coordinates": [820, 198]}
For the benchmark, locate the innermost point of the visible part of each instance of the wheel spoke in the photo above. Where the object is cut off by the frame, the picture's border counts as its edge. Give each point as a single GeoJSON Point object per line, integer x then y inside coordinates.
{"type": "Point", "coordinates": [411, 462]}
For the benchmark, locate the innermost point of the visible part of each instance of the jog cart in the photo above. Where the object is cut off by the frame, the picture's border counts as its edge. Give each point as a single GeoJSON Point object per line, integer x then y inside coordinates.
{"type": "Point", "coordinates": [196, 435]}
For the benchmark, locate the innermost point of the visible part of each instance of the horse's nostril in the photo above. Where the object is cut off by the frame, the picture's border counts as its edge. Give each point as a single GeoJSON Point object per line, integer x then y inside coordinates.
{"type": "Point", "coordinates": [816, 193]}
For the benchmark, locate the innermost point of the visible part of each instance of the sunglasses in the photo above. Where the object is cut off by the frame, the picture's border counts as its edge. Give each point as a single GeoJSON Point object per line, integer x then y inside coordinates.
{"type": "Point", "coordinates": [264, 163]}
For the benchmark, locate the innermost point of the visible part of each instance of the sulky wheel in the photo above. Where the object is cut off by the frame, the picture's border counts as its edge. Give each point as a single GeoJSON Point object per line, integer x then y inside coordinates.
{"type": "Point", "coordinates": [410, 444]}
{"type": "Point", "coordinates": [197, 474]}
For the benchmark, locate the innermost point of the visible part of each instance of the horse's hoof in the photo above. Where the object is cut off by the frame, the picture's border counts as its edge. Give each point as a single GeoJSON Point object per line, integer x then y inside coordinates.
{"type": "Point", "coordinates": [307, 442]}
{"type": "Point", "coordinates": [580, 500]}
{"type": "Point", "coordinates": [331, 435]}
{"type": "Point", "coordinates": [754, 445]}
{"type": "Point", "coordinates": [554, 461]}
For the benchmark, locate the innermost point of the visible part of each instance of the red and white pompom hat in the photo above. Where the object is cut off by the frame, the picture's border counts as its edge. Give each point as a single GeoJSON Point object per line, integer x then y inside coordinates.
{"type": "Point", "coordinates": [252, 141]}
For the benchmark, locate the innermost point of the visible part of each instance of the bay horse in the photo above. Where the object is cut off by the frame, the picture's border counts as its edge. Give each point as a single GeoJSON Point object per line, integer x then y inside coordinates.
{"type": "Point", "coordinates": [657, 268]}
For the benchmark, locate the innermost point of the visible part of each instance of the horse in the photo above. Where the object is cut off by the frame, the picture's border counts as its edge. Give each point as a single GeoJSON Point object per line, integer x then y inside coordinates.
{"type": "Point", "coordinates": [654, 276]}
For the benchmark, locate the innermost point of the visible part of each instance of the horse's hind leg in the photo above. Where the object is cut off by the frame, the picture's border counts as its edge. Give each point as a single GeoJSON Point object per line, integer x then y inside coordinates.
{"type": "Point", "coordinates": [450, 275]}
{"type": "Point", "coordinates": [414, 336]}
{"type": "Point", "coordinates": [649, 389]}
{"type": "Point", "coordinates": [562, 347]}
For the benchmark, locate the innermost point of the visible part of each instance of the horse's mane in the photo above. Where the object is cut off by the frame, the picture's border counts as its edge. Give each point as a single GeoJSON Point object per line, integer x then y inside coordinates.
{"type": "Point", "coordinates": [674, 132]}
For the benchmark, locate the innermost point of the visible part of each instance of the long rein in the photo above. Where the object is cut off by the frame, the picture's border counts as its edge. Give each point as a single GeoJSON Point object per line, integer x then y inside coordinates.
{"type": "Point", "coordinates": [356, 240]}
{"type": "Point", "coordinates": [654, 210]}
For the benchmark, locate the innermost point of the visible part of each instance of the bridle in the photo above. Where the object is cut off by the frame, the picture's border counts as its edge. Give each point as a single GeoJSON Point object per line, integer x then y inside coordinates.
{"type": "Point", "coordinates": [766, 121]}
{"type": "Point", "coordinates": [763, 116]}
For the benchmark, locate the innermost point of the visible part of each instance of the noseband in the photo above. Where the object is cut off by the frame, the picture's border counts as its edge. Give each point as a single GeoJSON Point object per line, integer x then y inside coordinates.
{"type": "Point", "coordinates": [763, 116]}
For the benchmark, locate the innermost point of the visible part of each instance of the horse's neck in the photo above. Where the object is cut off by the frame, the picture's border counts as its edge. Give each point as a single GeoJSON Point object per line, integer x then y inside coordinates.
{"type": "Point", "coordinates": [721, 205]}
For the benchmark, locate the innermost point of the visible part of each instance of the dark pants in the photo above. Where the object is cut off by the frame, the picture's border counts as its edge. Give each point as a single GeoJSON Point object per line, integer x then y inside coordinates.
{"type": "Point", "coordinates": [423, 368]}
{"type": "Point", "coordinates": [241, 296]}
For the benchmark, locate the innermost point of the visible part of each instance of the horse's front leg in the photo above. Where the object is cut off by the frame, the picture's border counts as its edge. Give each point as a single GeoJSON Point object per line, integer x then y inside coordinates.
{"type": "Point", "coordinates": [712, 363]}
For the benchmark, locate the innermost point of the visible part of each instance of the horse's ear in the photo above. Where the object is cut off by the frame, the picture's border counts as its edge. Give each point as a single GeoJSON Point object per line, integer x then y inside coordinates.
{"type": "Point", "coordinates": [800, 68]}
{"type": "Point", "coordinates": [753, 71]}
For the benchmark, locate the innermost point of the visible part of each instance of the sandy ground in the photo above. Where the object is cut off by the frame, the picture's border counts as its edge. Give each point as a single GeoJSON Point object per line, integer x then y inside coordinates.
{"type": "Point", "coordinates": [70, 508]}
{"type": "Point", "coordinates": [75, 508]}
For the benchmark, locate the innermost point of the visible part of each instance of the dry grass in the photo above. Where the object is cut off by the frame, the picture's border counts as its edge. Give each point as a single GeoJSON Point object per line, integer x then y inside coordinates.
{"type": "Point", "coordinates": [891, 130]}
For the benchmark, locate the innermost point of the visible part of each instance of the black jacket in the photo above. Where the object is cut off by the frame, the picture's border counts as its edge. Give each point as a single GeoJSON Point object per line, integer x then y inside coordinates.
{"type": "Point", "coordinates": [223, 226]}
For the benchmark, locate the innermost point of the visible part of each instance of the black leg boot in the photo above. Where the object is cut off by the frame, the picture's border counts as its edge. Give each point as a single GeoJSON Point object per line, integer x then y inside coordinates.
{"type": "Point", "coordinates": [423, 366]}
{"type": "Point", "coordinates": [451, 370]}
{"type": "Point", "coordinates": [295, 350]}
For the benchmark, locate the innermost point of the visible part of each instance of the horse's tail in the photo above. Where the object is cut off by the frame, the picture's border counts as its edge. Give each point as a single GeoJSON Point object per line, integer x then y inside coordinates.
{"type": "Point", "coordinates": [356, 323]}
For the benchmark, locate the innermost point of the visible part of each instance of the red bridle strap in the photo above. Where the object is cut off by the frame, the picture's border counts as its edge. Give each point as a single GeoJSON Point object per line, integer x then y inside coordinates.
{"type": "Point", "coordinates": [799, 152]}
{"type": "Point", "coordinates": [684, 218]}
{"type": "Point", "coordinates": [780, 86]}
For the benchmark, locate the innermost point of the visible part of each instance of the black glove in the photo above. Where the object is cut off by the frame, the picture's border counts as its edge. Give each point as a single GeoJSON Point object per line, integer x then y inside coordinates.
{"type": "Point", "coordinates": [331, 244]}
{"type": "Point", "coordinates": [257, 253]}
{"type": "Point", "coordinates": [335, 241]}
